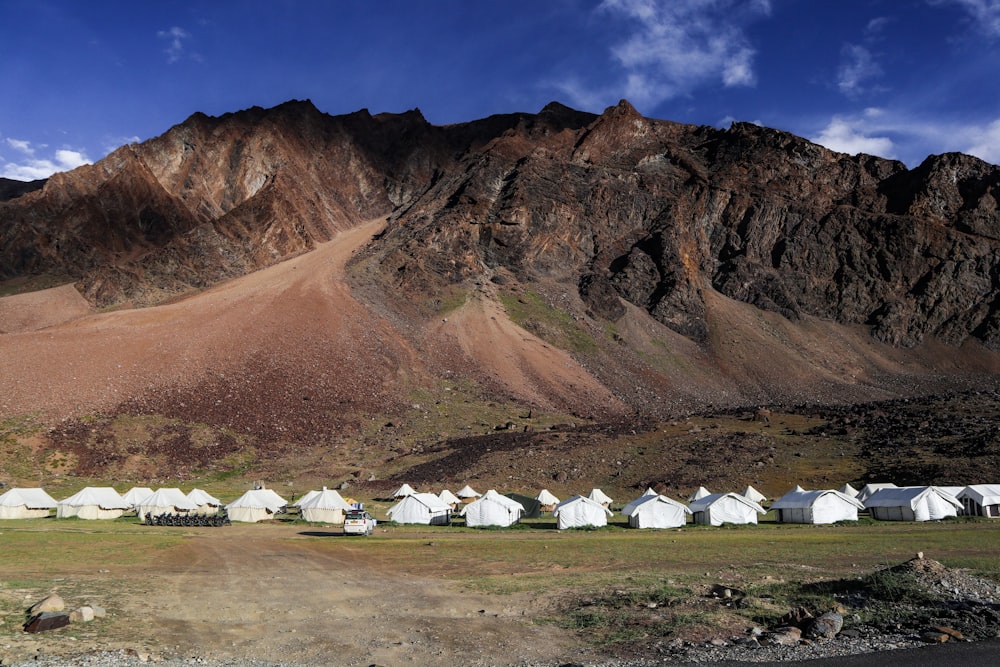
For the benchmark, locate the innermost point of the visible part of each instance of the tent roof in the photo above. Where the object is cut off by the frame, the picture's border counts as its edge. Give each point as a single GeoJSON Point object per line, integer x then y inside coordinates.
{"type": "Point", "coordinates": [753, 494]}
{"type": "Point", "coordinates": [168, 497]}
{"type": "Point", "coordinates": [700, 492]}
{"type": "Point", "coordinates": [599, 496]}
{"type": "Point", "coordinates": [327, 499]}
{"type": "Point", "coordinates": [428, 500]}
{"type": "Point", "coordinates": [849, 490]}
{"type": "Point", "coordinates": [492, 496]}
{"type": "Point", "coordinates": [468, 492]}
{"type": "Point", "coordinates": [32, 498]}
{"type": "Point", "coordinates": [908, 496]}
{"type": "Point", "coordinates": [306, 497]}
{"type": "Point", "coordinates": [801, 499]}
{"type": "Point", "coordinates": [580, 499]}
{"type": "Point", "coordinates": [647, 494]}
{"type": "Point", "coordinates": [643, 501]}
{"type": "Point", "coordinates": [984, 494]}
{"type": "Point", "coordinates": [259, 499]}
{"type": "Point", "coordinates": [403, 491]}
{"type": "Point", "coordinates": [545, 497]}
{"type": "Point", "coordinates": [134, 495]}
{"type": "Point", "coordinates": [704, 503]}
{"type": "Point", "coordinates": [102, 496]}
{"type": "Point", "coordinates": [203, 497]}
{"type": "Point", "coordinates": [449, 497]}
{"type": "Point", "coordinates": [868, 489]}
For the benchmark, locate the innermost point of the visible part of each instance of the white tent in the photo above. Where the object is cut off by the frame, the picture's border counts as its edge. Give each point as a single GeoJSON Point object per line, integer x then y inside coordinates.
{"type": "Point", "coordinates": [600, 497]}
{"type": "Point", "coordinates": [981, 499]}
{"type": "Point", "coordinates": [826, 506]}
{"type": "Point", "coordinates": [912, 503]}
{"type": "Point", "coordinates": [580, 512]}
{"type": "Point", "coordinates": [136, 494]}
{"type": "Point", "coordinates": [656, 511]}
{"type": "Point", "coordinates": [492, 509]}
{"type": "Point", "coordinates": [627, 510]}
{"type": "Point", "coordinates": [718, 508]}
{"type": "Point", "coordinates": [93, 502]}
{"type": "Point", "coordinates": [255, 505]}
{"type": "Point", "coordinates": [31, 503]}
{"type": "Point", "coordinates": [547, 500]}
{"type": "Point", "coordinates": [467, 494]}
{"type": "Point", "coordinates": [309, 495]}
{"type": "Point", "coordinates": [449, 497]}
{"type": "Point", "coordinates": [868, 489]}
{"type": "Point", "coordinates": [849, 490]}
{"type": "Point", "coordinates": [403, 491]}
{"type": "Point", "coordinates": [326, 506]}
{"type": "Point", "coordinates": [422, 508]}
{"type": "Point", "coordinates": [699, 493]}
{"type": "Point", "coordinates": [753, 494]}
{"type": "Point", "coordinates": [164, 501]}
{"type": "Point", "coordinates": [206, 502]}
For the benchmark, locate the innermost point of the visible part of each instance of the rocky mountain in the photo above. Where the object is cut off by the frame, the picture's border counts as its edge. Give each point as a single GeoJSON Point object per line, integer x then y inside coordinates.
{"type": "Point", "coordinates": [590, 265]}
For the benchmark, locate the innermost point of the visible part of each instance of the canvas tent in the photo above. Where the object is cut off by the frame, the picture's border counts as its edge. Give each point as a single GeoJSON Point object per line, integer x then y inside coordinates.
{"type": "Point", "coordinates": [912, 503]}
{"type": "Point", "coordinates": [403, 491]}
{"type": "Point", "coordinates": [817, 507]}
{"type": "Point", "coordinates": [753, 494]}
{"type": "Point", "coordinates": [656, 511]}
{"type": "Point", "coordinates": [326, 506]}
{"type": "Point", "coordinates": [255, 505]}
{"type": "Point", "coordinates": [136, 494]}
{"type": "Point", "coordinates": [716, 509]}
{"type": "Point", "coordinates": [93, 502]}
{"type": "Point", "coordinates": [467, 494]}
{"type": "Point", "coordinates": [547, 500]}
{"type": "Point", "coordinates": [206, 502]}
{"type": "Point", "coordinates": [421, 508]}
{"type": "Point", "coordinates": [868, 489]}
{"type": "Point", "coordinates": [981, 500]}
{"type": "Point", "coordinates": [532, 508]}
{"type": "Point", "coordinates": [450, 498]}
{"type": "Point", "coordinates": [492, 509]}
{"type": "Point", "coordinates": [309, 495]}
{"type": "Point", "coordinates": [699, 493]}
{"type": "Point", "coordinates": [164, 501]}
{"type": "Point", "coordinates": [600, 497]}
{"type": "Point", "coordinates": [849, 490]}
{"type": "Point", "coordinates": [630, 506]}
{"type": "Point", "coordinates": [30, 503]}
{"type": "Point", "coordinates": [580, 512]}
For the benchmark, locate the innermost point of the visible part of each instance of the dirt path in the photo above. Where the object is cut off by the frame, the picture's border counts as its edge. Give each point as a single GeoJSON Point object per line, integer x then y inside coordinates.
{"type": "Point", "coordinates": [289, 598]}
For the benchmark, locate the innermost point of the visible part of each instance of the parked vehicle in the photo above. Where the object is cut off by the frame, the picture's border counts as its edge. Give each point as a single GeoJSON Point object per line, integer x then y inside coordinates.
{"type": "Point", "coordinates": [359, 522]}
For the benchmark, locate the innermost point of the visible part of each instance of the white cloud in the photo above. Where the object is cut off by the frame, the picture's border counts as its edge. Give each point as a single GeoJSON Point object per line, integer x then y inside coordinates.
{"type": "Point", "coordinates": [175, 37]}
{"type": "Point", "coordinates": [32, 167]}
{"type": "Point", "coordinates": [985, 142]}
{"type": "Point", "coordinates": [985, 14]}
{"type": "Point", "coordinates": [853, 136]}
{"type": "Point", "coordinates": [857, 68]}
{"type": "Point", "coordinates": [674, 47]}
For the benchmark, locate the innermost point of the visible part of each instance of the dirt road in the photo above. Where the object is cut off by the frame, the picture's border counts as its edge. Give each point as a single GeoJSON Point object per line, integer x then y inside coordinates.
{"type": "Point", "coordinates": [293, 598]}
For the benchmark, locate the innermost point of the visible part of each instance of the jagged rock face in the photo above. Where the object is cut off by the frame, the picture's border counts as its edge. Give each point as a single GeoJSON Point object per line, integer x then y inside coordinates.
{"type": "Point", "coordinates": [618, 207]}
{"type": "Point", "coordinates": [655, 213]}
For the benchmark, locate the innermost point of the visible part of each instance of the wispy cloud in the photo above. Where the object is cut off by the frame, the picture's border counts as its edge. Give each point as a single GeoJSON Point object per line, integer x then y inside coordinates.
{"type": "Point", "coordinates": [31, 166]}
{"type": "Point", "coordinates": [672, 48]}
{"type": "Point", "coordinates": [985, 14]}
{"type": "Point", "coordinates": [857, 69]}
{"type": "Point", "coordinates": [909, 137]}
{"type": "Point", "coordinates": [175, 38]}
{"type": "Point", "coordinates": [853, 135]}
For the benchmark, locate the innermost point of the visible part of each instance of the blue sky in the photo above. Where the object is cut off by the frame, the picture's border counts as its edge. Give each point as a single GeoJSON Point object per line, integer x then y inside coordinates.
{"type": "Point", "coordinates": [895, 78]}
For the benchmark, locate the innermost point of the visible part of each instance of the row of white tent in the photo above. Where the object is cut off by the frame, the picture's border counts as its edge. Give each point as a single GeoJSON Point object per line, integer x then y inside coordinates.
{"type": "Point", "coordinates": [651, 510]}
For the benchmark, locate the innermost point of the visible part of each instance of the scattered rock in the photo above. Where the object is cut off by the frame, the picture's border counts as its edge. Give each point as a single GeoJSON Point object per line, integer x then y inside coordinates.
{"type": "Point", "coordinates": [52, 602]}
{"type": "Point", "coordinates": [46, 620]}
{"type": "Point", "coordinates": [788, 635]}
{"type": "Point", "coordinates": [826, 626]}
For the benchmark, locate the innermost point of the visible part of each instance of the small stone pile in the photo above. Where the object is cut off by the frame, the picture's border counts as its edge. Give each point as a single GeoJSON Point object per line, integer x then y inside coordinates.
{"type": "Point", "coordinates": [50, 613]}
